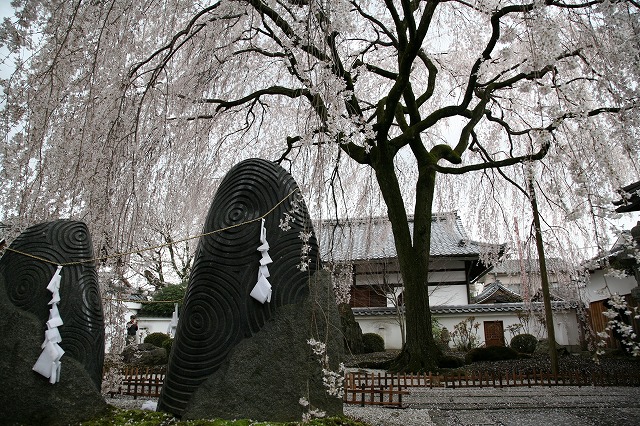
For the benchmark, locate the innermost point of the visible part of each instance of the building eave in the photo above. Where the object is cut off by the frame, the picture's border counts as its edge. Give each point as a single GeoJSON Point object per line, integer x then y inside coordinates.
{"type": "Point", "coordinates": [467, 309]}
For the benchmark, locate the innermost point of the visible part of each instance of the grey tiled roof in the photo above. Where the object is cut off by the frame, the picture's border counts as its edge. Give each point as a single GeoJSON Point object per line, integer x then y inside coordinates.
{"type": "Point", "coordinates": [137, 297]}
{"type": "Point", "coordinates": [629, 198]}
{"type": "Point", "coordinates": [370, 239]}
{"type": "Point", "coordinates": [513, 266]}
{"type": "Point", "coordinates": [494, 288]}
{"type": "Point", "coordinates": [468, 309]}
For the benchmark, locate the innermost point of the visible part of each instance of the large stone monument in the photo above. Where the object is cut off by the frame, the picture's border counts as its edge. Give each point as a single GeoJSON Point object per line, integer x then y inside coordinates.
{"type": "Point", "coordinates": [275, 375]}
{"type": "Point", "coordinates": [219, 312]}
{"type": "Point", "coordinates": [26, 396]}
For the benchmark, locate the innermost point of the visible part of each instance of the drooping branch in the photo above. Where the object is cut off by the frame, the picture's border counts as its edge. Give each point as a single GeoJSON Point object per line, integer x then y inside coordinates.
{"type": "Point", "coordinates": [376, 23]}
{"type": "Point", "coordinates": [288, 31]}
{"type": "Point", "coordinates": [542, 152]}
{"type": "Point", "coordinates": [188, 32]}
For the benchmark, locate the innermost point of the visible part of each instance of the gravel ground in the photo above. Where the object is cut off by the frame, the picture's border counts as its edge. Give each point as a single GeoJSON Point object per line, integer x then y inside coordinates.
{"type": "Point", "coordinates": [379, 416]}
{"type": "Point", "coordinates": [567, 406]}
{"type": "Point", "coordinates": [128, 403]}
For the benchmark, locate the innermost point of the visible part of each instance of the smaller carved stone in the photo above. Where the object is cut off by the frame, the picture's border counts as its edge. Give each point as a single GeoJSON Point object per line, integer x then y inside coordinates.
{"type": "Point", "coordinates": [25, 396]}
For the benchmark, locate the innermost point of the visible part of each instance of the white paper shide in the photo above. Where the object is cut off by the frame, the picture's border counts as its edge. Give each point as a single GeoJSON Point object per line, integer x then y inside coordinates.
{"type": "Point", "coordinates": [173, 325]}
{"type": "Point", "coordinates": [262, 290]}
{"type": "Point", "coordinates": [48, 363]}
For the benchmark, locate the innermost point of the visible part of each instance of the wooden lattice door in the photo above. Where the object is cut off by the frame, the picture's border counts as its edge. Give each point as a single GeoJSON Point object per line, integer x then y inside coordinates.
{"type": "Point", "coordinates": [493, 333]}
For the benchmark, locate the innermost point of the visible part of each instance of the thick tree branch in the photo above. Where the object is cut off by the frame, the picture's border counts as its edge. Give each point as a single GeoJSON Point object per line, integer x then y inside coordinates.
{"type": "Point", "coordinates": [377, 70]}
{"type": "Point", "coordinates": [316, 103]}
{"type": "Point", "coordinates": [542, 152]}
{"type": "Point", "coordinates": [406, 57]}
{"type": "Point", "coordinates": [431, 82]}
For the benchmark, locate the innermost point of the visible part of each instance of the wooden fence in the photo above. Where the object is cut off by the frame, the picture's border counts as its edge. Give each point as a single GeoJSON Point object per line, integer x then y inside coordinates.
{"type": "Point", "coordinates": [387, 389]}
{"type": "Point", "coordinates": [374, 389]}
{"type": "Point", "coordinates": [141, 381]}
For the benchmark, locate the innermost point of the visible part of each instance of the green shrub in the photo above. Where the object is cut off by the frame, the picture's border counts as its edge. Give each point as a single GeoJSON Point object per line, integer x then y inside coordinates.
{"type": "Point", "coordinates": [156, 339]}
{"type": "Point", "coordinates": [492, 353]}
{"type": "Point", "coordinates": [524, 343]}
{"type": "Point", "coordinates": [372, 343]}
{"type": "Point", "coordinates": [167, 345]}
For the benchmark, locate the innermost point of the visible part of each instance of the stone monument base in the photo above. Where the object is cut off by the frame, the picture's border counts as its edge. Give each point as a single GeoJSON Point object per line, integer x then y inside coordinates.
{"type": "Point", "coordinates": [269, 376]}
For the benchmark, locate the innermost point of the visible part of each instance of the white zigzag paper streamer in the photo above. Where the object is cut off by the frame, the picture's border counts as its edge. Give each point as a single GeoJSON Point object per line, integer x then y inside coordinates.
{"type": "Point", "coordinates": [262, 290]}
{"type": "Point", "coordinates": [48, 363]}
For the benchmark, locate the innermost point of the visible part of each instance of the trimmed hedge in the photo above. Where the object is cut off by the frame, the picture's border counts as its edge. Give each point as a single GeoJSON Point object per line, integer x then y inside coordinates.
{"type": "Point", "coordinates": [171, 293]}
{"type": "Point", "coordinates": [524, 343]}
{"type": "Point", "coordinates": [372, 342]}
{"type": "Point", "coordinates": [450, 361]}
{"type": "Point", "coordinates": [492, 353]}
{"type": "Point", "coordinates": [167, 345]}
{"type": "Point", "coordinates": [156, 339]}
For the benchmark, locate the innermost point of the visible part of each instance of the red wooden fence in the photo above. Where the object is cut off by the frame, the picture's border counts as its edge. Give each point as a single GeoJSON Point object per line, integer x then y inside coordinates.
{"type": "Point", "coordinates": [141, 381]}
{"type": "Point", "coordinates": [387, 389]}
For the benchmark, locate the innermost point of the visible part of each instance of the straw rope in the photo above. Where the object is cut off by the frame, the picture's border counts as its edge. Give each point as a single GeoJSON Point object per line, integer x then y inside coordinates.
{"type": "Point", "coordinates": [118, 255]}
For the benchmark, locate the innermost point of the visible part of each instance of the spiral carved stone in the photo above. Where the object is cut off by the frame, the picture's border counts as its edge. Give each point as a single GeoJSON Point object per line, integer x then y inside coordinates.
{"type": "Point", "coordinates": [80, 306]}
{"type": "Point", "coordinates": [218, 311]}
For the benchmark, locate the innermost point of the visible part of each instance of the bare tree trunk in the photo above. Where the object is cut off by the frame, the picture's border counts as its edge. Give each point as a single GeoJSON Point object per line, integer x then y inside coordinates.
{"type": "Point", "coordinates": [420, 352]}
{"type": "Point", "coordinates": [548, 313]}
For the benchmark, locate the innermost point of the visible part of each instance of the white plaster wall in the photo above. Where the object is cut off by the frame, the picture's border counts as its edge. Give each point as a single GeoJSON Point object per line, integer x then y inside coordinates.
{"type": "Point", "coordinates": [148, 325]}
{"type": "Point", "coordinates": [507, 318]}
{"type": "Point", "coordinates": [443, 277]}
{"type": "Point", "coordinates": [599, 286]}
{"type": "Point", "coordinates": [376, 279]}
{"type": "Point", "coordinates": [448, 295]}
{"type": "Point", "coordinates": [386, 327]}
{"type": "Point", "coordinates": [566, 327]}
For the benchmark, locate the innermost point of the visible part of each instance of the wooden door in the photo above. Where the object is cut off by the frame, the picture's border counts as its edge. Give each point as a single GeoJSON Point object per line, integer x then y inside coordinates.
{"type": "Point", "coordinates": [493, 333]}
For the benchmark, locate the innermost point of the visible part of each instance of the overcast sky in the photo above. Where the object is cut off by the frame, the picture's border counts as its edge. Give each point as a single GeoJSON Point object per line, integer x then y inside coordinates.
{"type": "Point", "coordinates": [5, 8]}
{"type": "Point", "coordinates": [5, 11]}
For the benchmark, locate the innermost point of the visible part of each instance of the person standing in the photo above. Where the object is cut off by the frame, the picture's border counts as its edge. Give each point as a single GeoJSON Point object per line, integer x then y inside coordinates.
{"type": "Point", "coordinates": [132, 330]}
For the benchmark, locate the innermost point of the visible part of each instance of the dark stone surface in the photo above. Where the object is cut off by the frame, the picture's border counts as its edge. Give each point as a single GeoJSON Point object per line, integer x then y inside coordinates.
{"type": "Point", "coordinates": [351, 330]}
{"type": "Point", "coordinates": [28, 398]}
{"type": "Point", "coordinates": [80, 307]}
{"type": "Point", "coordinates": [144, 355]}
{"type": "Point", "coordinates": [265, 376]}
{"type": "Point", "coordinates": [218, 312]}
